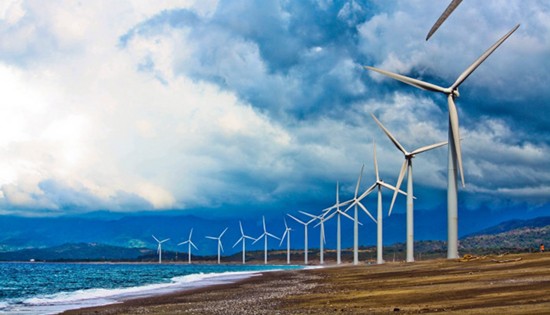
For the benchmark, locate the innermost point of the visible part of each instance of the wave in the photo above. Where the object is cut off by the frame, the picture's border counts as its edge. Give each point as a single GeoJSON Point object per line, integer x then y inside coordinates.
{"type": "Point", "coordinates": [62, 301]}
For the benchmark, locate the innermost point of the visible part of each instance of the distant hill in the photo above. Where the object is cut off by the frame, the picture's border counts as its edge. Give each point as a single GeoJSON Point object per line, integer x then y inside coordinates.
{"type": "Point", "coordinates": [513, 225]}
{"type": "Point", "coordinates": [80, 251]}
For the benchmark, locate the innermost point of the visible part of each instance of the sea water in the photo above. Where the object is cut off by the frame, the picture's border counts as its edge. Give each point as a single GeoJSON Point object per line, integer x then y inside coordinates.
{"type": "Point", "coordinates": [50, 288]}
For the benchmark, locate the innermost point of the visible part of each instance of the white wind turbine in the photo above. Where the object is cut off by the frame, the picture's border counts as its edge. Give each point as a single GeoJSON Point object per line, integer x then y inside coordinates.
{"type": "Point", "coordinates": [455, 152]}
{"type": "Point", "coordinates": [189, 244]}
{"type": "Point", "coordinates": [220, 246]}
{"type": "Point", "coordinates": [159, 247]}
{"type": "Point", "coordinates": [407, 167]}
{"type": "Point", "coordinates": [243, 239]}
{"type": "Point", "coordinates": [287, 235]}
{"type": "Point", "coordinates": [322, 239]}
{"type": "Point", "coordinates": [338, 213]}
{"type": "Point", "coordinates": [265, 235]}
{"type": "Point", "coordinates": [356, 201]}
{"type": "Point", "coordinates": [452, 6]}
{"type": "Point", "coordinates": [305, 224]}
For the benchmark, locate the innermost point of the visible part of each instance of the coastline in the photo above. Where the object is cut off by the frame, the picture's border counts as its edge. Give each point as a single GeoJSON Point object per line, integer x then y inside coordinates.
{"type": "Point", "coordinates": [515, 284]}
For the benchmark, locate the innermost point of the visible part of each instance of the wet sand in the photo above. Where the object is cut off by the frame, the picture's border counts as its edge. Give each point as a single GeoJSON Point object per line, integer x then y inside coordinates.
{"type": "Point", "coordinates": [510, 284]}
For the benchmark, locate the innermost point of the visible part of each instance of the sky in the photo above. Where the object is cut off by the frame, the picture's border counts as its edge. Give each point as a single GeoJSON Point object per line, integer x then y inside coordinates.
{"type": "Point", "coordinates": [246, 107]}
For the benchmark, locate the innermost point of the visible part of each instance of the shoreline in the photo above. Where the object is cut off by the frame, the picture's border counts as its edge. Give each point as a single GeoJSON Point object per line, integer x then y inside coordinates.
{"type": "Point", "coordinates": [513, 284]}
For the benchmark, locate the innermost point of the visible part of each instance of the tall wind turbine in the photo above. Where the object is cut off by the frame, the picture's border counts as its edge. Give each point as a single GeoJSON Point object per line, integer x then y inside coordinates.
{"type": "Point", "coordinates": [407, 166]}
{"type": "Point", "coordinates": [305, 224]}
{"type": "Point", "coordinates": [189, 244]}
{"type": "Point", "coordinates": [243, 239]}
{"type": "Point", "coordinates": [220, 246]}
{"type": "Point", "coordinates": [322, 239]}
{"type": "Point", "coordinates": [287, 235]}
{"type": "Point", "coordinates": [455, 153]}
{"type": "Point", "coordinates": [159, 247]}
{"type": "Point", "coordinates": [356, 201]}
{"type": "Point", "coordinates": [338, 213]}
{"type": "Point", "coordinates": [452, 6]}
{"type": "Point", "coordinates": [265, 235]}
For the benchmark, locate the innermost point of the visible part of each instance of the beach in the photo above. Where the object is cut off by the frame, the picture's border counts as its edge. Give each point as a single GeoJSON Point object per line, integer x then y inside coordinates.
{"type": "Point", "coordinates": [505, 284]}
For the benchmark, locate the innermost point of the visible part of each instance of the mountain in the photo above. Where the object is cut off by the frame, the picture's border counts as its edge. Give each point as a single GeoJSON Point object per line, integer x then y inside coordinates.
{"type": "Point", "coordinates": [80, 251]}
{"type": "Point", "coordinates": [514, 225]}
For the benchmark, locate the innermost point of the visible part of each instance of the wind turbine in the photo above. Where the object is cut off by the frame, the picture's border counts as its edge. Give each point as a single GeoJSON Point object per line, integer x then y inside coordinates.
{"type": "Point", "coordinates": [189, 244]}
{"type": "Point", "coordinates": [265, 235]}
{"type": "Point", "coordinates": [287, 235]}
{"type": "Point", "coordinates": [452, 6]}
{"type": "Point", "coordinates": [220, 246]}
{"type": "Point", "coordinates": [455, 153]}
{"type": "Point", "coordinates": [407, 166]}
{"type": "Point", "coordinates": [356, 201]}
{"type": "Point", "coordinates": [322, 239]}
{"type": "Point", "coordinates": [305, 224]}
{"type": "Point", "coordinates": [159, 247]}
{"type": "Point", "coordinates": [243, 239]}
{"type": "Point", "coordinates": [338, 212]}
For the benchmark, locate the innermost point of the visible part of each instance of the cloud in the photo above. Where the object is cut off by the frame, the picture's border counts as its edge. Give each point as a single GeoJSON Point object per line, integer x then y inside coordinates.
{"type": "Point", "coordinates": [232, 104]}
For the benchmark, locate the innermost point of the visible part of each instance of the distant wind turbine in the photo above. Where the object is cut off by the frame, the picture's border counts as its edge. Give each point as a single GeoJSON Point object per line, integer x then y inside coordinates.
{"type": "Point", "coordinates": [452, 6]}
{"type": "Point", "coordinates": [455, 152]}
{"type": "Point", "coordinates": [356, 201]}
{"type": "Point", "coordinates": [220, 246]}
{"type": "Point", "coordinates": [243, 240]}
{"type": "Point", "coordinates": [287, 235]}
{"type": "Point", "coordinates": [159, 247]}
{"type": "Point", "coordinates": [338, 212]}
{"type": "Point", "coordinates": [305, 224]}
{"type": "Point", "coordinates": [322, 239]}
{"type": "Point", "coordinates": [265, 234]}
{"type": "Point", "coordinates": [189, 244]}
{"type": "Point", "coordinates": [407, 167]}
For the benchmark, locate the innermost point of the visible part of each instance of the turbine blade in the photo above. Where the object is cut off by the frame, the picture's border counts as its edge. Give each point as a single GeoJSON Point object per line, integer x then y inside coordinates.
{"type": "Point", "coordinates": [220, 244]}
{"type": "Point", "coordinates": [354, 203]}
{"type": "Point", "coordinates": [222, 233]}
{"type": "Point", "coordinates": [375, 160]}
{"type": "Point", "coordinates": [398, 185]}
{"type": "Point", "coordinates": [192, 244]}
{"type": "Point", "coordinates": [480, 60]}
{"type": "Point", "coordinates": [367, 192]}
{"type": "Point", "coordinates": [156, 239]}
{"type": "Point", "coordinates": [410, 81]}
{"type": "Point", "coordinates": [359, 180]}
{"type": "Point", "coordinates": [367, 212]}
{"type": "Point", "coordinates": [240, 239]}
{"type": "Point", "coordinates": [164, 240]}
{"type": "Point", "coordinates": [248, 237]}
{"type": "Point", "coordinates": [283, 237]}
{"type": "Point", "coordinates": [269, 234]}
{"type": "Point", "coordinates": [329, 217]}
{"type": "Point", "coordinates": [241, 226]}
{"type": "Point", "coordinates": [296, 219]}
{"type": "Point", "coordinates": [337, 194]}
{"type": "Point", "coordinates": [190, 233]}
{"type": "Point", "coordinates": [429, 147]}
{"type": "Point", "coordinates": [182, 243]}
{"type": "Point", "coordinates": [211, 237]}
{"type": "Point", "coordinates": [308, 214]}
{"type": "Point", "coordinates": [286, 225]}
{"type": "Point", "coordinates": [453, 120]}
{"type": "Point", "coordinates": [452, 6]}
{"type": "Point", "coordinates": [388, 133]}
{"type": "Point", "coordinates": [388, 186]}
{"type": "Point", "coordinates": [263, 220]}
{"type": "Point", "coordinates": [347, 216]}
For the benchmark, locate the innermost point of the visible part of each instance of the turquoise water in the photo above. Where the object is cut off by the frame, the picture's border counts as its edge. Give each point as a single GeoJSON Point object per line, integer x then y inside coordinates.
{"type": "Point", "coordinates": [49, 288]}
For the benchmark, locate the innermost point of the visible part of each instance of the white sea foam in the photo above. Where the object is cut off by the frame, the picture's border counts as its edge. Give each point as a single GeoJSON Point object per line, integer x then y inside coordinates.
{"type": "Point", "coordinates": [59, 302]}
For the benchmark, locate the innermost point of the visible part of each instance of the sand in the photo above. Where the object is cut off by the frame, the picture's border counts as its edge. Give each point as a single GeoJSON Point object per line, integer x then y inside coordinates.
{"type": "Point", "coordinates": [510, 284]}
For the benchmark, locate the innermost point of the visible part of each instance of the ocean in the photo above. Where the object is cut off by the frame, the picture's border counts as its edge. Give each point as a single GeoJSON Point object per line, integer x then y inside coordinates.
{"type": "Point", "coordinates": [50, 288]}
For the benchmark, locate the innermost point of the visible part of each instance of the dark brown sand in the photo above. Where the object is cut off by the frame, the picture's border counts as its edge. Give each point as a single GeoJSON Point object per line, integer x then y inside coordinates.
{"type": "Point", "coordinates": [510, 284]}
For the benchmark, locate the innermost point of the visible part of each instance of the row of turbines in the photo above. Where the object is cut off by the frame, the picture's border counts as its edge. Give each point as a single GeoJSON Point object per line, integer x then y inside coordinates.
{"type": "Point", "coordinates": [340, 209]}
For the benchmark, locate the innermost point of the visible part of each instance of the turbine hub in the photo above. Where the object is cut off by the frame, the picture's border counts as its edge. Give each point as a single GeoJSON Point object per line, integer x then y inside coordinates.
{"type": "Point", "coordinates": [456, 93]}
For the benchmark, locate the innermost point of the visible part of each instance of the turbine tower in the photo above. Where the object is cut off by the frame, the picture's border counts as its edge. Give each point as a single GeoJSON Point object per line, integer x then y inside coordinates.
{"type": "Point", "coordinates": [265, 235]}
{"type": "Point", "coordinates": [159, 247]}
{"type": "Point", "coordinates": [407, 166]}
{"type": "Point", "coordinates": [189, 244]}
{"type": "Point", "coordinates": [243, 239]}
{"type": "Point", "coordinates": [220, 246]}
{"type": "Point", "coordinates": [338, 212]}
{"type": "Point", "coordinates": [455, 152]}
{"type": "Point", "coordinates": [287, 235]}
{"type": "Point", "coordinates": [356, 201]}
{"type": "Point", "coordinates": [305, 224]}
